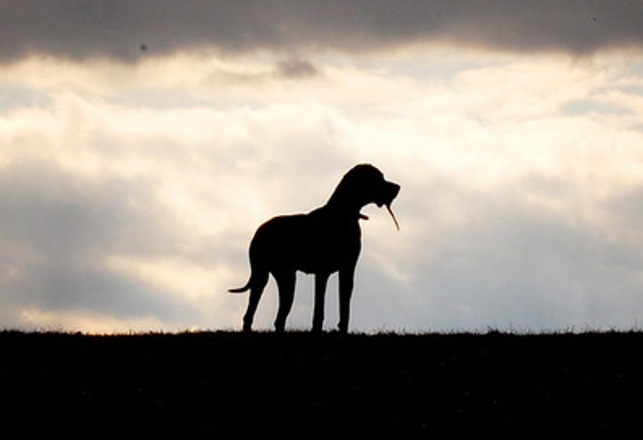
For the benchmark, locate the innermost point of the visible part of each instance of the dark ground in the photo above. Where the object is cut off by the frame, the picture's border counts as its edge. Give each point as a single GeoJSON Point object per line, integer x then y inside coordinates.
{"type": "Point", "coordinates": [221, 385]}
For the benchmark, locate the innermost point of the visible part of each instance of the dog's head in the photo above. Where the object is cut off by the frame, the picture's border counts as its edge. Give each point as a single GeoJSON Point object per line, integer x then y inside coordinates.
{"type": "Point", "coordinates": [365, 184]}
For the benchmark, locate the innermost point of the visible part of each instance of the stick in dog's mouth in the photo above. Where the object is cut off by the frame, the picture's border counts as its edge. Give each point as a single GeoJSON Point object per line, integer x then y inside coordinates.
{"type": "Point", "coordinates": [390, 211]}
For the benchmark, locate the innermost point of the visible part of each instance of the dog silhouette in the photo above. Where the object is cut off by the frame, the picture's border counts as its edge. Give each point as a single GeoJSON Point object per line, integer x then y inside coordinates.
{"type": "Point", "coordinates": [322, 242]}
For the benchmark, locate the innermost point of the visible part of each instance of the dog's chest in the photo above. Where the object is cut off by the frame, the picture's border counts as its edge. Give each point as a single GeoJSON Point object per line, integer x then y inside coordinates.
{"type": "Point", "coordinates": [327, 246]}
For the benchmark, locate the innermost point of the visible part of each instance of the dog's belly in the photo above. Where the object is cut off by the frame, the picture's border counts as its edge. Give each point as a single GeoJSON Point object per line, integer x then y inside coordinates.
{"type": "Point", "coordinates": [322, 259]}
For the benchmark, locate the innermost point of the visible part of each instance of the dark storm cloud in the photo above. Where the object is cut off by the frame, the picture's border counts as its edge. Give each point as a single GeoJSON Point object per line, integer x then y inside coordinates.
{"type": "Point", "coordinates": [296, 68]}
{"type": "Point", "coordinates": [128, 30]}
{"type": "Point", "coordinates": [287, 69]}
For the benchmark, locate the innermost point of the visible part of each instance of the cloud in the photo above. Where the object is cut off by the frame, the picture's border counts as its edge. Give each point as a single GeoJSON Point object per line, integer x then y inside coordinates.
{"type": "Point", "coordinates": [87, 322]}
{"type": "Point", "coordinates": [57, 230]}
{"type": "Point", "coordinates": [107, 214]}
{"type": "Point", "coordinates": [470, 258]}
{"type": "Point", "coordinates": [130, 31]}
{"type": "Point", "coordinates": [125, 211]}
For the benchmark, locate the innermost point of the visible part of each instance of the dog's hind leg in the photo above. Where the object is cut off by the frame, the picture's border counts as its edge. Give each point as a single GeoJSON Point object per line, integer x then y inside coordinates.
{"type": "Point", "coordinates": [286, 284]}
{"type": "Point", "coordinates": [259, 281]}
{"type": "Point", "coordinates": [321, 280]}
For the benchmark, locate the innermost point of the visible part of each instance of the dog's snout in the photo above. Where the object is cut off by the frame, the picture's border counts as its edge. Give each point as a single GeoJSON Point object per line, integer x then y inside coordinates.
{"type": "Point", "coordinates": [395, 189]}
{"type": "Point", "coordinates": [392, 190]}
{"type": "Point", "coordinates": [387, 193]}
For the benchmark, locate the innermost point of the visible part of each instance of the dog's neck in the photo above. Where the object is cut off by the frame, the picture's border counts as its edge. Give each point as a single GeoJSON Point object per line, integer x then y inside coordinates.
{"type": "Point", "coordinates": [345, 211]}
{"type": "Point", "coordinates": [345, 204]}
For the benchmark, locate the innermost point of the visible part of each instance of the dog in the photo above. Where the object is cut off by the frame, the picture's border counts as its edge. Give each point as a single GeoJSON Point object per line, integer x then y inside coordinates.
{"type": "Point", "coordinates": [322, 242]}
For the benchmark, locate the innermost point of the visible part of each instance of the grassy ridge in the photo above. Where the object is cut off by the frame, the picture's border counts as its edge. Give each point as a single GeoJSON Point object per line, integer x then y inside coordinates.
{"type": "Point", "coordinates": [325, 386]}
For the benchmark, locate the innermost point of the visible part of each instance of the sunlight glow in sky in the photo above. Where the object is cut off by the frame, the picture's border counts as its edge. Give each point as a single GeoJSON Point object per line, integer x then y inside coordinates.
{"type": "Point", "coordinates": [138, 158]}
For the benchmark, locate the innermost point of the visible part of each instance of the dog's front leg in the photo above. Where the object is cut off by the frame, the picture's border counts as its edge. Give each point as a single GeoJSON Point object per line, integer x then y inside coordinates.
{"type": "Point", "coordinates": [345, 291]}
{"type": "Point", "coordinates": [321, 280]}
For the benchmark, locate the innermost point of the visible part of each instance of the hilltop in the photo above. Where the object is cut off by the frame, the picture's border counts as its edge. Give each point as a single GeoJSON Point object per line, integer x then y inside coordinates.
{"type": "Point", "coordinates": [321, 386]}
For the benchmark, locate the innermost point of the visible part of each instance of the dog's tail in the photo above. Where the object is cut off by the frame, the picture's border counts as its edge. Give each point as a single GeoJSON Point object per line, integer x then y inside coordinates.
{"type": "Point", "coordinates": [241, 289]}
{"type": "Point", "coordinates": [258, 274]}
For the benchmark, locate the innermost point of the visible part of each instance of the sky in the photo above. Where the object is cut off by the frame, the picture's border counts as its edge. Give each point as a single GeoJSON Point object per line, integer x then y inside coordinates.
{"type": "Point", "coordinates": [142, 143]}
